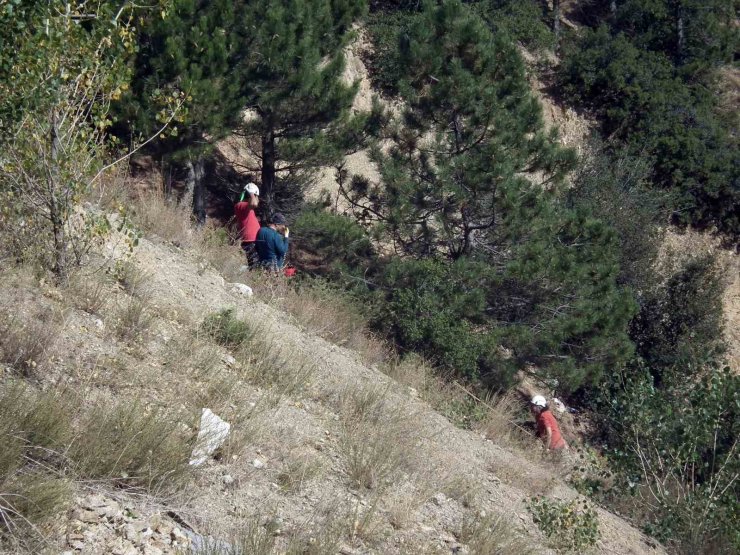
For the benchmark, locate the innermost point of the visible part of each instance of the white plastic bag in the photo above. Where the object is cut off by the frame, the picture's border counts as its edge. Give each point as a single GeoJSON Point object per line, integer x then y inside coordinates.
{"type": "Point", "coordinates": [212, 435]}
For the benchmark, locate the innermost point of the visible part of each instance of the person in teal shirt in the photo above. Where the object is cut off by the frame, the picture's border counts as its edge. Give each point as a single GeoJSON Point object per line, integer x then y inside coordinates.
{"type": "Point", "coordinates": [272, 243]}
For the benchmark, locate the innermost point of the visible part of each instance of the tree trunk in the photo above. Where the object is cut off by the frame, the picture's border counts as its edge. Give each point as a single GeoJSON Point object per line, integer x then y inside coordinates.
{"type": "Point", "coordinates": [268, 165]}
{"type": "Point", "coordinates": [56, 210]}
{"type": "Point", "coordinates": [196, 188]}
{"type": "Point", "coordinates": [556, 22]}
{"type": "Point", "coordinates": [680, 34]}
{"type": "Point", "coordinates": [613, 7]}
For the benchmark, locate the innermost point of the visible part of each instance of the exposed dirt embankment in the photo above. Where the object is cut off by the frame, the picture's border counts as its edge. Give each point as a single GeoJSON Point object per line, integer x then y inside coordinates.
{"type": "Point", "coordinates": [678, 245]}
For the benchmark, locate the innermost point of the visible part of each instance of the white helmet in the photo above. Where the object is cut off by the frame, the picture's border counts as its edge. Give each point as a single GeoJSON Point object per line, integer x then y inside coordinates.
{"type": "Point", "coordinates": [539, 401]}
{"type": "Point", "coordinates": [252, 189]}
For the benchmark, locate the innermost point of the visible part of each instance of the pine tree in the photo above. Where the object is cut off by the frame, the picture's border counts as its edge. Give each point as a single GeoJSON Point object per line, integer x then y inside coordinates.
{"type": "Point", "coordinates": [468, 198]}
{"type": "Point", "coordinates": [282, 61]}
{"type": "Point", "coordinates": [193, 50]}
{"type": "Point", "coordinates": [292, 81]}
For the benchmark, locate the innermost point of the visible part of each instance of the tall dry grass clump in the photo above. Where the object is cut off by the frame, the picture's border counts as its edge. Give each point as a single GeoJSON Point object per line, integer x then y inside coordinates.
{"type": "Point", "coordinates": [262, 360]}
{"type": "Point", "coordinates": [35, 427]}
{"type": "Point", "coordinates": [325, 311]}
{"type": "Point", "coordinates": [379, 436]}
{"type": "Point", "coordinates": [131, 445]}
{"type": "Point", "coordinates": [494, 535]}
{"type": "Point", "coordinates": [164, 217]}
{"type": "Point", "coordinates": [27, 339]}
{"type": "Point", "coordinates": [52, 439]}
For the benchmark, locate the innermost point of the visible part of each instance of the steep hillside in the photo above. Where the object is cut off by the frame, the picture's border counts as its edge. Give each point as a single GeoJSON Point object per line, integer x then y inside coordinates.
{"type": "Point", "coordinates": [325, 452]}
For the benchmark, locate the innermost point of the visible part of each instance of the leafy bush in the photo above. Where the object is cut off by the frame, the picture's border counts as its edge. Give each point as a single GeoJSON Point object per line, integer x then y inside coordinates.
{"type": "Point", "coordinates": [340, 243]}
{"type": "Point", "coordinates": [676, 446]}
{"type": "Point", "coordinates": [228, 330]}
{"type": "Point", "coordinates": [614, 187]}
{"type": "Point", "coordinates": [433, 307]}
{"type": "Point", "coordinates": [680, 323]}
{"type": "Point", "coordinates": [571, 526]}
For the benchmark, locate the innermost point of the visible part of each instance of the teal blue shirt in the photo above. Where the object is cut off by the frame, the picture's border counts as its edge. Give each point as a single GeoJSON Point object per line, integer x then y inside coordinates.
{"type": "Point", "coordinates": [271, 247]}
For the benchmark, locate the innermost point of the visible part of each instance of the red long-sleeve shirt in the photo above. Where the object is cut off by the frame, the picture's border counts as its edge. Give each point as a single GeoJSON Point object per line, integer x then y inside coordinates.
{"type": "Point", "coordinates": [249, 225]}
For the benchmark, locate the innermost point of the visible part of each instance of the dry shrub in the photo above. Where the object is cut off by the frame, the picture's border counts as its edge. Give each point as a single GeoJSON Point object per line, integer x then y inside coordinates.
{"type": "Point", "coordinates": [300, 468]}
{"type": "Point", "coordinates": [263, 361]}
{"type": "Point", "coordinates": [494, 535]}
{"type": "Point", "coordinates": [131, 278]}
{"type": "Point", "coordinates": [320, 533]}
{"type": "Point", "coordinates": [34, 429]}
{"type": "Point", "coordinates": [524, 475]}
{"type": "Point", "coordinates": [405, 499]}
{"type": "Point", "coordinates": [252, 538]}
{"type": "Point", "coordinates": [133, 318]}
{"type": "Point", "coordinates": [87, 292]}
{"type": "Point", "coordinates": [132, 446]}
{"type": "Point", "coordinates": [214, 244]}
{"type": "Point", "coordinates": [26, 339]}
{"type": "Point", "coordinates": [224, 393]}
{"type": "Point", "coordinates": [322, 310]}
{"type": "Point", "coordinates": [438, 388]}
{"type": "Point", "coordinates": [378, 437]}
{"type": "Point", "coordinates": [172, 221]}
{"type": "Point", "coordinates": [499, 426]}
{"type": "Point", "coordinates": [166, 218]}
{"type": "Point", "coordinates": [194, 354]}
{"type": "Point", "coordinates": [365, 522]}
{"type": "Point", "coordinates": [463, 488]}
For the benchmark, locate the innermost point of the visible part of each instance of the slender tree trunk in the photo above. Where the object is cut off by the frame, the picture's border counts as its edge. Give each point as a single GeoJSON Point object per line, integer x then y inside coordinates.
{"type": "Point", "coordinates": [196, 188]}
{"type": "Point", "coordinates": [556, 22]}
{"type": "Point", "coordinates": [56, 210]}
{"type": "Point", "coordinates": [199, 192]}
{"type": "Point", "coordinates": [268, 164]}
{"type": "Point", "coordinates": [613, 7]}
{"type": "Point", "coordinates": [680, 33]}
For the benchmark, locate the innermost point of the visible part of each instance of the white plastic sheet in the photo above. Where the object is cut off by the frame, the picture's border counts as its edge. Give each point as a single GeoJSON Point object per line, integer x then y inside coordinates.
{"type": "Point", "coordinates": [211, 435]}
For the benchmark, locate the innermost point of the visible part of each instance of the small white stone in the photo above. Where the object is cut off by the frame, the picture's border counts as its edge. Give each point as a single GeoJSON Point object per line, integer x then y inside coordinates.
{"type": "Point", "coordinates": [258, 463]}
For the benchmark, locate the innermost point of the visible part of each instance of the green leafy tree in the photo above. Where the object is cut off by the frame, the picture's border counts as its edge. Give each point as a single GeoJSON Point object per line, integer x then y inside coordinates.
{"type": "Point", "coordinates": [614, 187]}
{"type": "Point", "coordinates": [680, 323]}
{"type": "Point", "coordinates": [691, 32]}
{"type": "Point", "coordinates": [269, 71]}
{"type": "Point", "coordinates": [62, 65]}
{"type": "Point", "coordinates": [645, 104]}
{"type": "Point", "coordinates": [675, 445]}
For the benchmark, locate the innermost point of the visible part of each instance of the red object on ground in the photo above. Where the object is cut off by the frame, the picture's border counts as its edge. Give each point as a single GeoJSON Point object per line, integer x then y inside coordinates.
{"type": "Point", "coordinates": [289, 272]}
{"type": "Point", "coordinates": [547, 420]}
{"type": "Point", "coordinates": [249, 225]}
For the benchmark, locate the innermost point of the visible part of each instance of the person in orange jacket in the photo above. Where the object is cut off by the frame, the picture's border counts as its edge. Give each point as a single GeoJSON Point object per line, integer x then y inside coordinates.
{"type": "Point", "coordinates": [547, 427]}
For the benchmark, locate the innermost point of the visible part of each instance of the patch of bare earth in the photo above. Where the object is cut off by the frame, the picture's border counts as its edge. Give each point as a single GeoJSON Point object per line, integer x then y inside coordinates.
{"type": "Point", "coordinates": [678, 245]}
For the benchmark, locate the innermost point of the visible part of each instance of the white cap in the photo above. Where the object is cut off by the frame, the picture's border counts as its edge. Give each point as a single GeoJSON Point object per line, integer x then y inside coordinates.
{"type": "Point", "coordinates": [539, 401]}
{"type": "Point", "coordinates": [252, 189]}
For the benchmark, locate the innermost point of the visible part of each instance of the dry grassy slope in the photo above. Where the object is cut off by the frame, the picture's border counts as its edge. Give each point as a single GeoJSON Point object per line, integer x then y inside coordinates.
{"type": "Point", "coordinates": [501, 480]}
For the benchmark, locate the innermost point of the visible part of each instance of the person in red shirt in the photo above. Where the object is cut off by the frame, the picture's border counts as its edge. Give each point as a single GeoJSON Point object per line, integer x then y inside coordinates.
{"type": "Point", "coordinates": [249, 225]}
{"type": "Point", "coordinates": [547, 427]}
